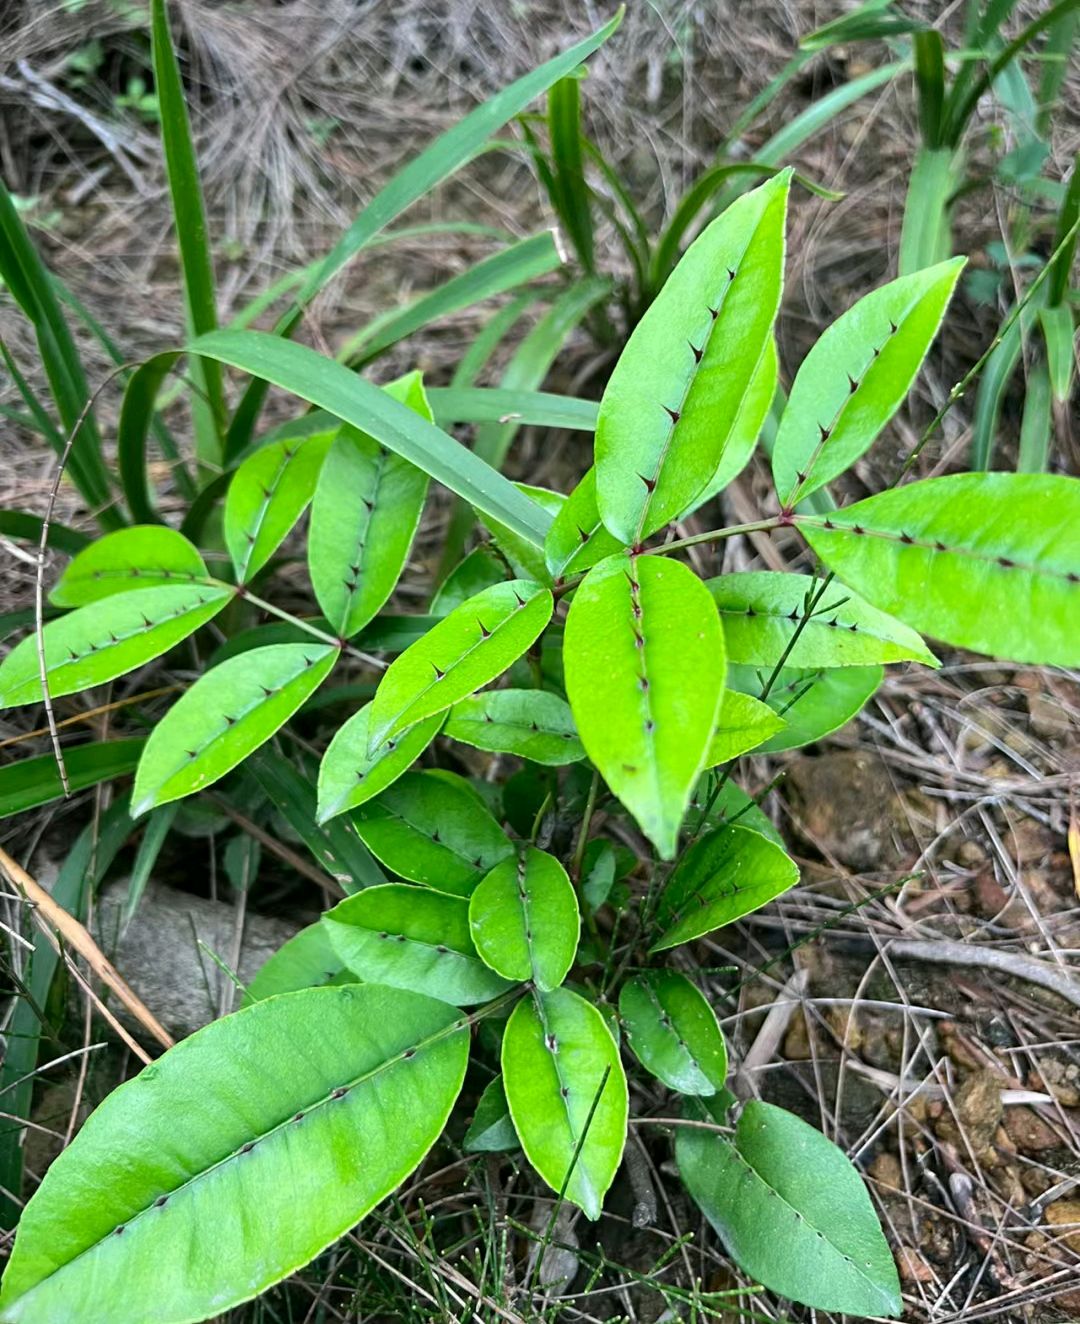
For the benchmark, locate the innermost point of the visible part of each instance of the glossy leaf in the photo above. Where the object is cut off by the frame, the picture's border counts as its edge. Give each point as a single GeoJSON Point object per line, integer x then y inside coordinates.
{"type": "Point", "coordinates": [462, 653]}
{"type": "Point", "coordinates": [745, 723]}
{"type": "Point", "coordinates": [792, 1211]}
{"type": "Point", "coordinates": [307, 960]}
{"type": "Point", "coordinates": [812, 702]}
{"type": "Point", "coordinates": [349, 774]}
{"type": "Point", "coordinates": [412, 938]}
{"type": "Point", "coordinates": [434, 831]}
{"type": "Point", "coordinates": [984, 561]}
{"type": "Point", "coordinates": [268, 494]}
{"type": "Point", "coordinates": [673, 1032]}
{"type": "Point", "coordinates": [27, 783]}
{"type": "Point", "coordinates": [577, 539]}
{"type": "Point", "coordinates": [727, 804]}
{"type": "Point", "coordinates": [644, 660]}
{"type": "Point", "coordinates": [524, 919]}
{"type": "Point", "coordinates": [229, 711]}
{"type": "Point", "coordinates": [855, 377]}
{"type": "Point", "coordinates": [496, 404]}
{"type": "Point", "coordinates": [105, 639]}
{"type": "Point", "coordinates": [561, 1071]}
{"type": "Point", "coordinates": [479, 570]}
{"type": "Point", "coordinates": [533, 724]}
{"type": "Point", "coordinates": [762, 609]}
{"type": "Point", "coordinates": [140, 557]}
{"type": "Point", "coordinates": [364, 516]}
{"type": "Point", "coordinates": [723, 876]}
{"type": "Point", "coordinates": [682, 378]}
{"type": "Point", "coordinates": [491, 1130]}
{"type": "Point", "coordinates": [524, 558]}
{"type": "Point", "coordinates": [234, 1117]}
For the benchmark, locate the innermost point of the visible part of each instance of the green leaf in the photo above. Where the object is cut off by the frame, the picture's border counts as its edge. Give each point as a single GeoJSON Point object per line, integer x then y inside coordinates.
{"type": "Point", "coordinates": [673, 1032]}
{"type": "Point", "coordinates": [157, 827]}
{"type": "Point", "coordinates": [997, 373]}
{"type": "Point", "coordinates": [479, 570]}
{"type": "Point", "coordinates": [984, 561]}
{"type": "Point", "coordinates": [524, 919]}
{"type": "Point", "coordinates": [349, 774]}
{"type": "Point", "coordinates": [228, 712]}
{"type": "Point", "coordinates": [791, 1211]}
{"type": "Point", "coordinates": [728, 804]}
{"type": "Point", "coordinates": [412, 938]}
{"type": "Point", "coordinates": [738, 446]}
{"type": "Point", "coordinates": [644, 659]}
{"type": "Point", "coordinates": [27, 783]}
{"type": "Point", "coordinates": [577, 539]}
{"type": "Point", "coordinates": [762, 609]}
{"type": "Point", "coordinates": [682, 378]}
{"type": "Point", "coordinates": [433, 831]}
{"type": "Point", "coordinates": [723, 876]}
{"type": "Point", "coordinates": [307, 960]}
{"type": "Point", "coordinates": [525, 559]}
{"type": "Point", "coordinates": [235, 1118]}
{"type": "Point", "coordinates": [105, 639]}
{"type": "Point", "coordinates": [598, 867]}
{"type": "Point", "coordinates": [128, 559]}
{"type": "Point", "coordinates": [463, 652]}
{"type": "Point", "coordinates": [745, 723]}
{"type": "Point", "coordinates": [331, 386]}
{"type": "Point", "coordinates": [567, 1094]}
{"type": "Point", "coordinates": [496, 404]}
{"type": "Point", "coordinates": [926, 231]}
{"type": "Point", "coordinates": [855, 377]}
{"type": "Point", "coordinates": [533, 724]}
{"type": "Point", "coordinates": [1059, 334]}
{"type": "Point", "coordinates": [268, 494]}
{"type": "Point", "coordinates": [1036, 424]}
{"type": "Point", "coordinates": [570, 192]}
{"type": "Point", "coordinates": [813, 702]}
{"type": "Point", "coordinates": [491, 1130]}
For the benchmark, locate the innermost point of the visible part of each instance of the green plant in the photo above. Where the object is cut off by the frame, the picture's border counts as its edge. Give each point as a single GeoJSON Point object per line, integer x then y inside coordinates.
{"type": "Point", "coordinates": [255, 1143]}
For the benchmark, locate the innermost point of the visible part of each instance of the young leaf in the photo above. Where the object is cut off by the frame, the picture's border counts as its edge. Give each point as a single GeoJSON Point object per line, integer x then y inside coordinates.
{"type": "Point", "coordinates": [524, 919]}
{"type": "Point", "coordinates": [411, 938]}
{"type": "Point", "coordinates": [27, 783]}
{"type": "Point", "coordinates": [366, 510]}
{"type": "Point", "coordinates": [644, 659]}
{"type": "Point", "coordinates": [533, 724]}
{"type": "Point", "coordinates": [791, 1211]}
{"type": "Point", "coordinates": [268, 494]}
{"type": "Point", "coordinates": [491, 1130]}
{"type": "Point", "coordinates": [562, 1074]}
{"type": "Point", "coordinates": [307, 960]}
{"type": "Point", "coordinates": [235, 1118]}
{"type": "Point", "coordinates": [723, 876]}
{"type": "Point", "coordinates": [229, 711]}
{"type": "Point", "coordinates": [745, 723]}
{"type": "Point", "coordinates": [105, 639]}
{"type": "Point", "coordinates": [577, 539]}
{"type": "Point", "coordinates": [988, 561]}
{"type": "Point", "coordinates": [349, 775]}
{"type": "Point", "coordinates": [681, 380]}
{"type": "Point", "coordinates": [463, 652]}
{"type": "Point", "coordinates": [812, 702]}
{"type": "Point", "coordinates": [433, 831]}
{"type": "Point", "coordinates": [853, 380]}
{"type": "Point", "coordinates": [673, 1032]}
{"type": "Point", "coordinates": [762, 609]}
{"type": "Point", "coordinates": [140, 557]}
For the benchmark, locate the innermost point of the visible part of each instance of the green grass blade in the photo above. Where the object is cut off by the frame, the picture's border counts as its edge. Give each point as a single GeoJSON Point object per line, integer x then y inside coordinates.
{"type": "Point", "coordinates": [996, 376]}
{"type": "Point", "coordinates": [572, 194]}
{"type": "Point", "coordinates": [28, 783]}
{"type": "Point", "coordinates": [19, 524]}
{"type": "Point", "coordinates": [1058, 281]}
{"type": "Point", "coordinates": [1055, 55]}
{"type": "Point", "coordinates": [477, 404]}
{"type": "Point", "coordinates": [930, 84]}
{"type": "Point", "coordinates": [926, 233]}
{"type": "Point", "coordinates": [1035, 426]}
{"type": "Point", "coordinates": [136, 416]}
{"type": "Point", "coordinates": [39, 417]}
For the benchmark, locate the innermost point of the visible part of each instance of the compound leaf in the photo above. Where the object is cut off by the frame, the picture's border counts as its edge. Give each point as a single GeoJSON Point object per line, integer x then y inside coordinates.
{"type": "Point", "coordinates": [139, 557]}
{"type": "Point", "coordinates": [673, 1032]}
{"type": "Point", "coordinates": [533, 724]}
{"type": "Point", "coordinates": [524, 919]}
{"type": "Point", "coordinates": [349, 774]}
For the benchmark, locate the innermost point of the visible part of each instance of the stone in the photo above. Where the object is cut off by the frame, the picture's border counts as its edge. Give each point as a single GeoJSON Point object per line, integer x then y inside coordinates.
{"type": "Point", "coordinates": [1066, 1214]}
{"type": "Point", "coordinates": [847, 807]}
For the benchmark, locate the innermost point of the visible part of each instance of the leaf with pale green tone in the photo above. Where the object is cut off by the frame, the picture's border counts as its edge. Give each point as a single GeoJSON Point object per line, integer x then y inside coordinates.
{"type": "Point", "coordinates": [644, 660]}
{"type": "Point", "coordinates": [27, 783]}
{"type": "Point", "coordinates": [577, 539]}
{"type": "Point", "coordinates": [412, 938]}
{"type": "Point", "coordinates": [331, 386]}
{"type": "Point", "coordinates": [479, 570]}
{"type": "Point", "coordinates": [498, 404]}
{"type": "Point", "coordinates": [1036, 423]}
{"type": "Point", "coordinates": [561, 1072]}
{"type": "Point", "coordinates": [307, 960]}
{"type": "Point", "coordinates": [728, 804]}
{"type": "Point", "coordinates": [723, 876]}
{"type": "Point", "coordinates": [673, 1033]}
{"type": "Point", "coordinates": [1059, 334]}
{"type": "Point", "coordinates": [762, 610]}
{"type": "Point", "coordinates": [983, 561]}
{"type": "Point", "coordinates": [155, 833]}
{"type": "Point", "coordinates": [681, 380]}
{"type": "Point", "coordinates": [791, 1211]}
{"type": "Point", "coordinates": [229, 712]}
{"type": "Point", "coordinates": [598, 866]}
{"type": "Point", "coordinates": [140, 557]}
{"type": "Point", "coordinates": [349, 774]}
{"type": "Point", "coordinates": [745, 723]}
{"type": "Point", "coordinates": [364, 516]}
{"type": "Point", "coordinates": [993, 386]}
{"type": "Point", "coordinates": [491, 1130]}
{"type": "Point", "coordinates": [459, 655]}
{"type": "Point", "coordinates": [533, 724]}
{"type": "Point", "coordinates": [855, 377]}
{"type": "Point", "coordinates": [236, 1118]}
{"type": "Point", "coordinates": [434, 831]}
{"type": "Point", "coordinates": [524, 919]}
{"type": "Point", "coordinates": [268, 494]}
{"type": "Point", "coordinates": [813, 702]}
{"type": "Point", "coordinates": [105, 639]}
{"type": "Point", "coordinates": [526, 561]}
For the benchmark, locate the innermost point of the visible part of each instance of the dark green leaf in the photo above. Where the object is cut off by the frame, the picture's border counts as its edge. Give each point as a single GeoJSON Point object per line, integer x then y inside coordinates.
{"type": "Point", "coordinates": [27, 783]}
{"type": "Point", "coordinates": [673, 1032]}
{"type": "Point", "coordinates": [491, 1129]}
